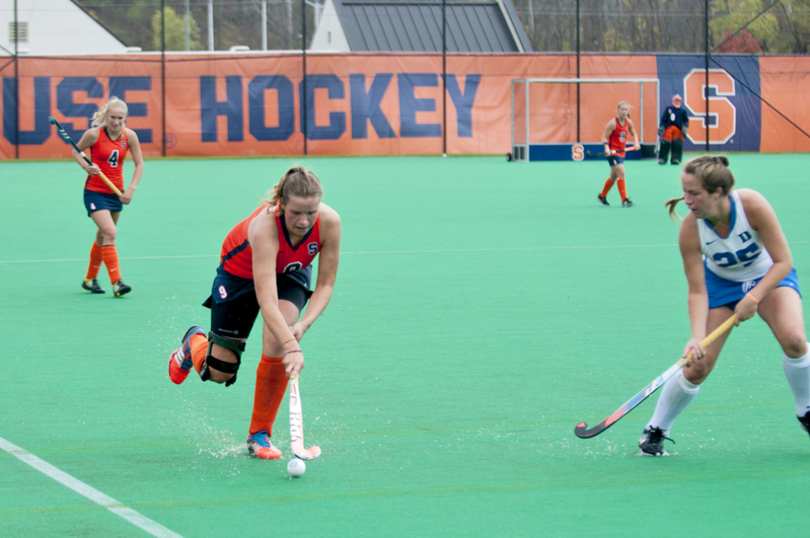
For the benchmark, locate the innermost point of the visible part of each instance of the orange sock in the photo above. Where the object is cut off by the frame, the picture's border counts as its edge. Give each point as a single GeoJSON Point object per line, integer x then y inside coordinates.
{"type": "Point", "coordinates": [95, 262]}
{"type": "Point", "coordinates": [271, 384]}
{"type": "Point", "coordinates": [622, 190]}
{"type": "Point", "coordinates": [606, 188]}
{"type": "Point", "coordinates": [110, 257]}
{"type": "Point", "coordinates": [199, 348]}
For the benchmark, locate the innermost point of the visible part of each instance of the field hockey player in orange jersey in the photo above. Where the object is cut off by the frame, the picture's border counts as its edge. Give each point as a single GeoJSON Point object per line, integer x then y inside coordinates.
{"type": "Point", "coordinates": [109, 141]}
{"type": "Point", "coordinates": [615, 139]}
{"type": "Point", "coordinates": [265, 266]}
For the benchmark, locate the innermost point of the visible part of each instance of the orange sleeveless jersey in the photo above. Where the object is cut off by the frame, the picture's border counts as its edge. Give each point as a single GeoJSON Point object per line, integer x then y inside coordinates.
{"type": "Point", "coordinates": [109, 156]}
{"type": "Point", "coordinates": [236, 257]}
{"type": "Point", "coordinates": [618, 138]}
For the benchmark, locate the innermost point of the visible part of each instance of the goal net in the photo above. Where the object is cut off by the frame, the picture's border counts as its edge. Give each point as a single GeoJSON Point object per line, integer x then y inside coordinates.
{"type": "Point", "coordinates": [575, 111]}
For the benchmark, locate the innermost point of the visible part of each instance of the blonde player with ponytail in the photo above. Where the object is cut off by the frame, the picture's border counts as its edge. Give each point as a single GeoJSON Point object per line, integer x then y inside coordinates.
{"type": "Point", "coordinates": [737, 260]}
{"type": "Point", "coordinates": [265, 266]}
{"type": "Point", "coordinates": [109, 141]}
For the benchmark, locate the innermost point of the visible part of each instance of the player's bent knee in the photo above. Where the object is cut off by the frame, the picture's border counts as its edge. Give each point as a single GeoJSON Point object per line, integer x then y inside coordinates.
{"type": "Point", "coordinates": [795, 344]}
{"type": "Point", "coordinates": [220, 371]}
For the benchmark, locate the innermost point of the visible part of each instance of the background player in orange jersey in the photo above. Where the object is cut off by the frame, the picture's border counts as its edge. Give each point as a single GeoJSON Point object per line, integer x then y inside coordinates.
{"type": "Point", "coordinates": [265, 266]}
{"type": "Point", "coordinates": [108, 140]}
{"type": "Point", "coordinates": [615, 140]}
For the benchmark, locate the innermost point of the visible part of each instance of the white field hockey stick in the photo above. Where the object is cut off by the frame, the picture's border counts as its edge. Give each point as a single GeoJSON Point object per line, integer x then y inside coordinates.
{"type": "Point", "coordinates": [583, 432]}
{"type": "Point", "coordinates": [297, 426]}
{"type": "Point", "coordinates": [66, 136]}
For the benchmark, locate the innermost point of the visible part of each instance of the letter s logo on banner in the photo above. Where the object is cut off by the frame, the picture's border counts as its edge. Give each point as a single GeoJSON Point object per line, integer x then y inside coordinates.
{"type": "Point", "coordinates": [577, 152]}
{"type": "Point", "coordinates": [722, 112]}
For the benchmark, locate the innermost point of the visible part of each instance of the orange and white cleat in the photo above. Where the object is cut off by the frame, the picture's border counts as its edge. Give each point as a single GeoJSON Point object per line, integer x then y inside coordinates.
{"type": "Point", "coordinates": [259, 445]}
{"type": "Point", "coordinates": [180, 360]}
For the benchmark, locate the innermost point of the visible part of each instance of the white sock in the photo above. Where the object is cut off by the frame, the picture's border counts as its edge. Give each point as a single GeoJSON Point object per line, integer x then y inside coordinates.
{"type": "Point", "coordinates": [797, 372]}
{"type": "Point", "coordinates": [677, 393]}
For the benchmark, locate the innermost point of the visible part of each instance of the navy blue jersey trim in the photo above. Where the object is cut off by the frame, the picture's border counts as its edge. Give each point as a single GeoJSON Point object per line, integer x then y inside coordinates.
{"type": "Point", "coordinates": [234, 252]}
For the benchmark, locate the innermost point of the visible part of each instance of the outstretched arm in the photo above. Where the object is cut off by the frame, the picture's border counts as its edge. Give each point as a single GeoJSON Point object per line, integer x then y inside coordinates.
{"type": "Point", "coordinates": [328, 259]}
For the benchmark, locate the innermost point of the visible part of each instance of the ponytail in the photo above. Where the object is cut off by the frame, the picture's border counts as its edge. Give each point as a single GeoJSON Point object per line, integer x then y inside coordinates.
{"type": "Point", "coordinates": [297, 181]}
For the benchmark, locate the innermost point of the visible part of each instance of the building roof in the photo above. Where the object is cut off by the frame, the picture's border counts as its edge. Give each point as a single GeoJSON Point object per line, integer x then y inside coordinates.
{"type": "Point", "coordinates": [416, 26]}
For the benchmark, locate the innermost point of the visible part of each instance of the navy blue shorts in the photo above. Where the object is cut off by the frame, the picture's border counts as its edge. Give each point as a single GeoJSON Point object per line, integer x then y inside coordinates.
{"type": "Point", "coordinates": [96, 201]}
{"type": "Point", "coordinates": [728, 293]}
{"type": "Point", "coordinates": [613, 160]}
{"type": "Point", "coordinates": [233, 303]}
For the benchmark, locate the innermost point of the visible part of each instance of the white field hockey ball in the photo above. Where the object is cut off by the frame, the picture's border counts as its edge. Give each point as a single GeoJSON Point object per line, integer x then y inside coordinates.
{"type": "Point", "coordinates": [296, 467]}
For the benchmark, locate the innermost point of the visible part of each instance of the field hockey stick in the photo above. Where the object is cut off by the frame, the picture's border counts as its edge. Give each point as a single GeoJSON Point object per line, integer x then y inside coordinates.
{"type": "Point", "coordinates": [589, 155]}
{"type": "Point", "coordinates": [583, 432]}
{"type": "Point", "coordinates": [66, 136]}
{"type": "Point", "coordinates": [297, 426]}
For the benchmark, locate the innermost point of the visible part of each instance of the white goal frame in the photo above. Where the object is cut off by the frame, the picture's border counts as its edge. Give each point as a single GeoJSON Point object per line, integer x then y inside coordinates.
{"type": "Point", "coordinates": [520, 152]}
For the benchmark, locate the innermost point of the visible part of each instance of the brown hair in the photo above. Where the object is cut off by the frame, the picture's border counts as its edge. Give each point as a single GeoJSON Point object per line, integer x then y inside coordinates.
{"type": "Point", "coordinates": [100, 117]}
{"type": "Point", "coordinates": [713, 173]}
{"type": "Point", "coordinates": [297, 181]}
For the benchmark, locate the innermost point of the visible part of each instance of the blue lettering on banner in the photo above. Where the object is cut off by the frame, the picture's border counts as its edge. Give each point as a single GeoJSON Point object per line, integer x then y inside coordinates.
{"type": "Point", "coordinates": [231, 108]}
{"type": "Point", "coordinates": [463, 102]}
{"type": "Point", "coordinates": [337, 120]}
{"type": "Point", "coordinates": [70, 109]}
{"type": "Point", "coordinates": [119, 86]}
{"type": "Point", "coordinates": [366, 106]}
{"type": "Point", "coordinates": [409, 105]}
{"type": "Point", "coordinates": [42, 109]}
{"type": "Point", "coordinates": [256, 108]}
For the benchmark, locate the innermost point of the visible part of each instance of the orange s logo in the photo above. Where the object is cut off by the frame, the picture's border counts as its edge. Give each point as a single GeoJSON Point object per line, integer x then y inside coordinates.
{"type": "Point", "coordinates": [722, 112]}
{"type": "Point", "coordinates": [577, 152]}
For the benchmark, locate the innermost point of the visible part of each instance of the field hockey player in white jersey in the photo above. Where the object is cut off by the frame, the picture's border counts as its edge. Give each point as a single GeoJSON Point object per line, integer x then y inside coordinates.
{"type": "Point", "coordinates": [736, 260]}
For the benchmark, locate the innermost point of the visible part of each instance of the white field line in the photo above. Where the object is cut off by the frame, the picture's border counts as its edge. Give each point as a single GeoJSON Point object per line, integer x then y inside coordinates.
{"type": "Point", "coordinates": [83, 489]}
{"type": "Point", "coordinates": [370, 252]}
{"type": "Point", "coordinates": [384, 252]}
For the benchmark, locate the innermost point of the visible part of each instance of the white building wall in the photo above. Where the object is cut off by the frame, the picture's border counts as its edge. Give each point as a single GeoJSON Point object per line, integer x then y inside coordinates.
{"type": "Point", "coordinates": [55, 27]}
{"type": "Point", "coordinates": [329, 35]}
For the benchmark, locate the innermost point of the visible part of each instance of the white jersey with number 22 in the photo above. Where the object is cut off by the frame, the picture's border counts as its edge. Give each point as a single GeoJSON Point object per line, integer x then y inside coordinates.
{"type": "Point", "coordinates": [741, 256]}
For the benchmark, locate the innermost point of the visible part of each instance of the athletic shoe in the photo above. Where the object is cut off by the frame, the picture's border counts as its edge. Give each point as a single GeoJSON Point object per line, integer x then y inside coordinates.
{"type": "Point", "coordinates": [91, 285]}
{"type": "Point", "coordinates": [121, 289]}
{"type": "Point", "coordinates": [652, 442]}
{"type": "Point", "coordinates": [180, 360]}
{"type": "Point", "coordinates": [661, 161]}
{"type": "Point", "coordinates": [259, 445]}
{"type": "Point", "coordinates": [676, 161]}
{"type": "Point", "coordinates": [602, 199]}
{"type": "Point", "coordinates": [805, 422]}
{"type": "Point", "coordinates": [628, 203]}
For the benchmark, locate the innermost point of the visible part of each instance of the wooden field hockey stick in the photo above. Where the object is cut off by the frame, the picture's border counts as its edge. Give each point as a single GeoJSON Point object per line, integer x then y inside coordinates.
{"type": "Point", "coordinates": [297, 426]}
{"type": "Point", "coordinates": [583, 432]}
{"type": "Point", "coordinates": [66, 136]}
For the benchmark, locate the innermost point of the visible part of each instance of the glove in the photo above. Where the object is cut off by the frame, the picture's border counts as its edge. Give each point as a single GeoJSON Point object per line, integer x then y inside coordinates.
{"type": "Point", "coordinates": [661, 131]}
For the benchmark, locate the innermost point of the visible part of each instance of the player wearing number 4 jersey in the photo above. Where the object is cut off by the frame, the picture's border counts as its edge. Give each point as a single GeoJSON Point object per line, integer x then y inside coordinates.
{"type": "Point", "coordinates": [109, 141]}
{"type": "Point", "coordinates": [265, 266]}
{"type": "Point", "coordinates": [736, 259]}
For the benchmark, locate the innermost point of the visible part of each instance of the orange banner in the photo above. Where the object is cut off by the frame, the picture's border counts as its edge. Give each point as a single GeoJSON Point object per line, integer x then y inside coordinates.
{"type": "Point", "coordinates": [357, 104]}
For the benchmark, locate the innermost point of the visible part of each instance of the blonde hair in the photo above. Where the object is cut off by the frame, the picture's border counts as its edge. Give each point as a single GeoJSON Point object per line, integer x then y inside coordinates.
{"type": "Point", "coordinates": [713, 173]}
{"type": "Point", "coordinates": [100, 117]}
{"type": "Point", "coordinates": [623, 103]}
{"type": "Point", "coordinates": [297, 181]}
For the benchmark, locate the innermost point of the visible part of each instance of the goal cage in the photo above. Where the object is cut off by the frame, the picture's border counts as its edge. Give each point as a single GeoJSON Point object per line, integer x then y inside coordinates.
{"type": "Point", "coordinates": [557, 119]}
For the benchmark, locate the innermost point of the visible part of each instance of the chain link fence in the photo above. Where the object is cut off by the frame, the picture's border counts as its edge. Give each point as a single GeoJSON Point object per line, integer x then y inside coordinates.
{"type": "Point", "coordinates": [627, 26]}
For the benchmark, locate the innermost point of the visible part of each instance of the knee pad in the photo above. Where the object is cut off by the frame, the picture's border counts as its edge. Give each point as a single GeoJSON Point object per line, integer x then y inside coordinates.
{"type": "Point", "coordinates": [663, 151]}
{"type": "Point", "coordinates": [677, 150]}
{"type": "Point", "coordinates": [225, 367]}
